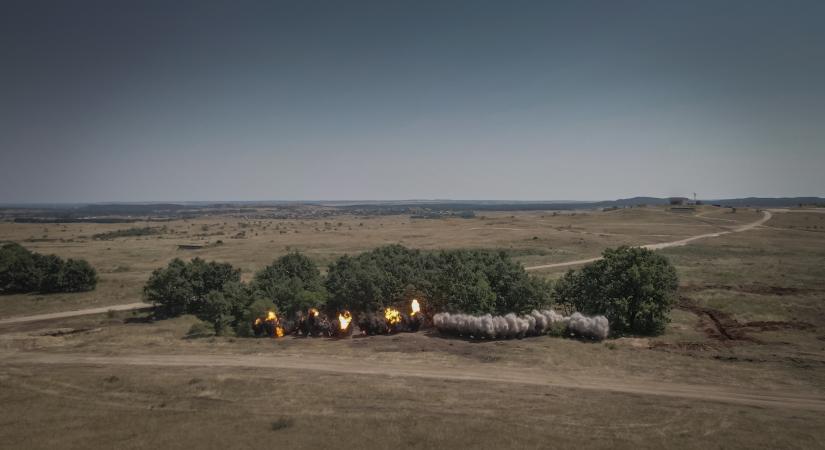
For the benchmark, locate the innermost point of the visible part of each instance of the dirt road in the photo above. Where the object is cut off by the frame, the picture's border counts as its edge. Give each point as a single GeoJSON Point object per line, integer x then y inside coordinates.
{"type": "Point", "coordinates": [766, 216]}
{"type": "Point", "coordinates": [723, 394]}
{"type": "Point", "coordinates": [78, 312]}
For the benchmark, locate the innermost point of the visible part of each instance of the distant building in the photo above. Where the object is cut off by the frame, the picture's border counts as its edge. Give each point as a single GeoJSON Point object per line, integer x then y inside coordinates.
{"type": "Point", "coordinates": [679, 201]}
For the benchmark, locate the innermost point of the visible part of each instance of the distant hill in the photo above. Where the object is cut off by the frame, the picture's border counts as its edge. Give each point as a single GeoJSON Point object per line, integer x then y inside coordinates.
{"type": "Point", "coordinates": [768, 202]}
{"type": "Point", "coordinates": [120, 212]}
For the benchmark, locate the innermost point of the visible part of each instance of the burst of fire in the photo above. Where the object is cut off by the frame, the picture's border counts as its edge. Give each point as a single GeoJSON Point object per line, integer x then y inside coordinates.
{"type": "Point", "coordinates": [313, 312]}
{"type": "Point", "coordinates": [272, 320]}
{"type": "Point", "coordinates": [392, 315]}
{"type": "Point", "coordinates": [344, 319]}
{"type": "Point", "coordinates": [416, 308]}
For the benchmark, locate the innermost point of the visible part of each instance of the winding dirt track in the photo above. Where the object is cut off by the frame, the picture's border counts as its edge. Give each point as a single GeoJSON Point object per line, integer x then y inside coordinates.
{"type": "Point", "coordinates": [530, 376]}
{"type": "Point", "coordinates": [766, 215]}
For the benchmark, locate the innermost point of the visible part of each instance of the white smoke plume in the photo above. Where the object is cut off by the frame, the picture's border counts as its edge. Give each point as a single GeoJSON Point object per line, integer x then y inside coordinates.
{"type": "Point", "coordinates": [512, 326]}
{"type": "Point", "coordinates": [593, 327]}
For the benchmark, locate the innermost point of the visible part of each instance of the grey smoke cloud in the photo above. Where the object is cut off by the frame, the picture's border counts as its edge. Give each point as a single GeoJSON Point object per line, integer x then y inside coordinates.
{"type": "Point", "coordinates": [508, 326]}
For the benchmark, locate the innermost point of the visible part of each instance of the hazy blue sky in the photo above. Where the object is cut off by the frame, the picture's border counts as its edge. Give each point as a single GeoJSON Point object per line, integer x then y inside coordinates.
{"type": "Point", "coordinates": [175, 100]}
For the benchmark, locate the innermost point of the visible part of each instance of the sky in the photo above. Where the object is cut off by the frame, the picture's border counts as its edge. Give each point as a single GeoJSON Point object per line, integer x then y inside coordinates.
{"type": "Point", "coordinates": [506, 100]}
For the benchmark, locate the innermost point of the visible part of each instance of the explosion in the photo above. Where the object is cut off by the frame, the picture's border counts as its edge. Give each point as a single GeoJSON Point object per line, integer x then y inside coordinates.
{"type": "Point", "coordinates": [315, 324]}
{"type": "Point", "coordinates": [392, 320]}
{"type": "Point", "coordinates": [342, 327]}
{"type": "Point", "coordinates": [344, 320]}
{"type": "Point", "coordinates": [393, 316]}
{"type": "Point", "coordinates": [415, 307]}
{"type": "Point", "coordinates": [270, 325]}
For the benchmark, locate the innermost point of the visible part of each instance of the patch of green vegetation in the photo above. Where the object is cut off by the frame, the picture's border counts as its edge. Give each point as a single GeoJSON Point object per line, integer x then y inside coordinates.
{"type": "Point", "coordinates": [199, 330]}
{"type": "Point", "coordinates": [634, 287]}
{"type": "Point", "coordinates": [129, 232]}
{"type": "Point", "coordinates": [23, 271]}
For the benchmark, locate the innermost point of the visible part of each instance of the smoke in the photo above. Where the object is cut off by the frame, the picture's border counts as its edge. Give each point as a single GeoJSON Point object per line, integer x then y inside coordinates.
{"type": "Point", "coordinates": [512, 326]}
{"type": "Point", "coordinates": [593, 327]}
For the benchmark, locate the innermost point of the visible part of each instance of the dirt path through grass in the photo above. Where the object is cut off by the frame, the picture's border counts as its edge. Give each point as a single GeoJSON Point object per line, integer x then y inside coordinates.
{"type": "Point", "coordinates": [469, 373]}
{"type": "Point", "coordinates": [78, 312]}
{"type": "Point", "coordinates": [766, 216]}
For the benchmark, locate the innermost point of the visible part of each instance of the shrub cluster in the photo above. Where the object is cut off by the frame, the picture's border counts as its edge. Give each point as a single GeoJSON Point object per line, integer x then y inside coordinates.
{"type": "Point", "coordinates": [214, 292]}
{"type": "Point", "coordinates": [633, 287]}
{"type": "Point", "coordinates": [185, 287]}
{"type": "Point", "coordinates": [23, 271]}
{"type": "Point", "coordinates": [129, 232]}
{"type": "Point", "coordinates": [470, 281]}
{"type": "Point", "coordinates": [292, 282]}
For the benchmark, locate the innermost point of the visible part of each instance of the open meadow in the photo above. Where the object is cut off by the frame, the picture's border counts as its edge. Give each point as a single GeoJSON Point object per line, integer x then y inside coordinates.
{"type": "Point", "coordinates": [741, 365]}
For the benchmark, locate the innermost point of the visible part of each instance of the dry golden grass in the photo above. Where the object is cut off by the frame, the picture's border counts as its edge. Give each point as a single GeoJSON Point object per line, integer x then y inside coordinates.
{"type": "Point", "coordinates": [124, 264]}
{"type": "Point", "coordinates": [765, 288]}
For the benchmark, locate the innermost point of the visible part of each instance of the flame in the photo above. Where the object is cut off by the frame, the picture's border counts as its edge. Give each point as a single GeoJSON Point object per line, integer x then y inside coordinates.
{"type": "Point", "coordinates": [313, 312]}
{"type": "Point", "coordinates": [344, 319]}
{"type": "Point", "coordinates": [392, 315]}
{"type": "Point", "coordinates": [416, 308]}
{"type": "Point", "coordinates": [271, 318]}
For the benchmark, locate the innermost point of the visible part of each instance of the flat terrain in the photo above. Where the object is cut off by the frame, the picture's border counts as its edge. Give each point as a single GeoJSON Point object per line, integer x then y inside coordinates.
{"type": "Point", "coordinates": [742, 364]}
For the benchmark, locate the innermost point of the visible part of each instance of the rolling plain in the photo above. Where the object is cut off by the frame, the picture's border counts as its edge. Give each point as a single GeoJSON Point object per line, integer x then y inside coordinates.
{"type": "Point", "coordinates": [741, 365]}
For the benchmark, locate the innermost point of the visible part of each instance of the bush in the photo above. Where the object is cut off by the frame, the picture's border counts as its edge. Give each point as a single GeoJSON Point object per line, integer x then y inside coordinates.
{"type": "Point", "coordinates": [372, 280]}
{"type": "Point", "coordinates": [633, 287]}
{"type": "Point", "coordinates": [182, 288]}
{"type": "Point", "coordinates": [258, 308]}
{"type": "Point", "coordinates": [292, 283]}
{"type": "Point", "coordinates": [129, 232]}
{"type": "Point", "coordinates": [22, 271]}
{"type": "Point", "coordinates": [469, 281]}
{"type": "Point", "coordinates": [200, 329]}
{"type": "Point", "coordinates": [77, 276]}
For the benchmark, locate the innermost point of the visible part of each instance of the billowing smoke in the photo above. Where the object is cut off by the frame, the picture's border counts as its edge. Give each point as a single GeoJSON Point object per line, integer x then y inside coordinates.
{"type": "Point", "coordinates": [593, 327]}
{"type": "Point", "coordinates": [512, 326]}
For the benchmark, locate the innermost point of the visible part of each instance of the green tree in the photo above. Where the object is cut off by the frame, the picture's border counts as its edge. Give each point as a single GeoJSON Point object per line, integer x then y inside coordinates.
{"type": "Point", "coordinates": [22, 271]}
{"type": "Point", "coordinates": [18, 270]}
{"type": "Point", "coordinates": [292, 283]}
{"type": "Point", "coordinates": [377, 278]}
{"type": "Point", "coordinates": [181, 288]}
{"type": "Point", "coordinates": [49, 268]}
{"type": "Point", "coordinates": [77, 275]}
{"type": "Point", "coordinates": [633, 287]}
{"type": "Point", "coordinates": [452, 280]}
{"type": "Point", "coordinates": [258, 308]}
{"type": "Point", "coordinates": [217, 310]}
{"type": "Point", "coordinates": [460, 288]}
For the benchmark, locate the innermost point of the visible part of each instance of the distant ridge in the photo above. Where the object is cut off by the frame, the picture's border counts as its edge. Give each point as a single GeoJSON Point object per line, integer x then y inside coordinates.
{"type": "Point", "coordinates": [122, 210]}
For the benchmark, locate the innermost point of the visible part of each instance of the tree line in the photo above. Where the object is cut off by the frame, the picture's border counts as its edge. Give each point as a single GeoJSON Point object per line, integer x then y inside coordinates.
{"type": "Point", "coordinates": [633, 287]}
{"type": "Point", "coordinates": [23, 271]}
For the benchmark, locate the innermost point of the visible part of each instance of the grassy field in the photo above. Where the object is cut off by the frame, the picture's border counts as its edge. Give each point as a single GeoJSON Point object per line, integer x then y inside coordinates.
{"type": "Point", "coordinates": [125, 263]}
{"type": "Point", "coordinates": [742, 365]}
